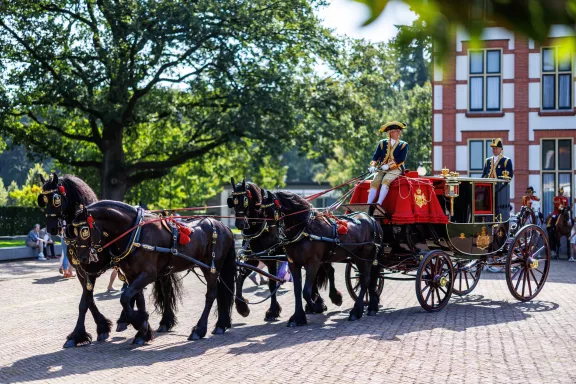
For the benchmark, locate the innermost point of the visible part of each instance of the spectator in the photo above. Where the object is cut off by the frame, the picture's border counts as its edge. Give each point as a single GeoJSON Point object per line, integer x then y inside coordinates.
{"type": "Point", "coordinates": [48, 244]}
{"type": "Point", "coordinates": [573, 241]}
{"type": "Point", "coordinates": [65, 267]}
{"type": "Point", "coordinates": [33, 241]}
{"type": "Point", "coordinates": [111, 282]}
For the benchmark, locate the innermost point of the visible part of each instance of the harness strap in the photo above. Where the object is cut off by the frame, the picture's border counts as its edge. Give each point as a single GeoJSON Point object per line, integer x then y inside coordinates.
{"type": "Point", "coordinates": [172, 251]}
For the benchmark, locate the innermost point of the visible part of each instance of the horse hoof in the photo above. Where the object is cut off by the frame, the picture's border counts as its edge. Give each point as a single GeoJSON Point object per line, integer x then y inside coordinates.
{"type": "Point", "coordinates": [336, 299]}
{"type": "Point", "coordinates": [270, 318]}
{"type": "Point", "coordinates": [194, 336]}
{"type": "Point", "coordinates": [292, 324]}
{"type": "Point", "coordinates": [139, 341]}
{"type": "Point", "coordinates": [218, 331]}
{"type": "Point", "coordinates": [371, 312]}
{"type": "Point", "coordinates": [162, 329]}
{"type": "Point", "coordinates": [120, 327]}
{"type": "Point", "coordinates": [70, 343]}
{"type": "Point", "coordinates": [352, 317]}
{"type": "Point", "coordinates": [242, 308]}
{"type": "Point", "coordinates": [102, 336]}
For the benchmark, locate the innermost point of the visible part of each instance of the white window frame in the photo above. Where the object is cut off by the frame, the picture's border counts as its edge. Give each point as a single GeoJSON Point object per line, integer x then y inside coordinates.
{"type": "Point", "coordinates": [556, 171]}
{"type": "Point", "coordinates": [556, 73]}
{"type": "Point", "coordinates": [485, 75]}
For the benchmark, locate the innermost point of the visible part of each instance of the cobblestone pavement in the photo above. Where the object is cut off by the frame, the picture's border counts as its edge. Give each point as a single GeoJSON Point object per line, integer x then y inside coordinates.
{"type": "Point", "coordinates": [485, 337]}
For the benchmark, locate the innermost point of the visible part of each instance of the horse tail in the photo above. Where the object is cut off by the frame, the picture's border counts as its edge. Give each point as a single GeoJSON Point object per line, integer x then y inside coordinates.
{"type": "Point", "coordinates": [322, 276]}
{"type": "Point", "coordinates": [167, 292]}
{"type": "Point", "coordinates": [226, 287]}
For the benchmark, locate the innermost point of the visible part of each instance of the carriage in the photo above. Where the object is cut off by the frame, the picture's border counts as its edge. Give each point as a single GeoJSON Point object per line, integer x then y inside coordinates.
{"type": "Point", "coordinates": [443, 231]}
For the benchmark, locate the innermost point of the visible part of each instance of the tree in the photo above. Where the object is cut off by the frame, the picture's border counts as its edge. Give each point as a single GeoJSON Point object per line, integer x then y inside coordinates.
{"type": "Point", "coordinates": [132, 89]}
{"type": "Point", "coordinates": [27, 196]}
{"type": "Point", "coordinates": [3, 194]}
{"type": "Point", "coordinates": [413, 47]}
{"type": "Point", "coordinates": [370, 88]}
{"type": "Point", "coordinates": [531, 18]}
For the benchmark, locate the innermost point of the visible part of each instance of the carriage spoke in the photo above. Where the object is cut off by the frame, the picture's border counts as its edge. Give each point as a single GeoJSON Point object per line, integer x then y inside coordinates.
{"type": "Point", "coordinates": [524, 283]}
{"type": "Point", "coordinates": [535, 254]}
{"type": "Point", "coordinates": [432, 290]}
{"type": "Point", "coordinates": [438, 296]}
{"type": "Point", "coordinates": [519, 278]}
{"type": "Point", "coordinates": [516, 274]}
{"type": "Point", "coordinates": [460, 280]}
{"type": "Point", "coordinates": [535, 280]}
{"type": "Point", "coordinates": [529, 285]}
{"type": "Point", "coordinates": [442, 289]}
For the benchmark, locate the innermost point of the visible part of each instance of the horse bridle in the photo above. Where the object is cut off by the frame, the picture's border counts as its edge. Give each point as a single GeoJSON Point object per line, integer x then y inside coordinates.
{"type": "Point", "coordinates": [57, 196]}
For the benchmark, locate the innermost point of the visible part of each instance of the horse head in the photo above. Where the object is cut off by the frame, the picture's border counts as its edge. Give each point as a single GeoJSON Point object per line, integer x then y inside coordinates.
{"type": "Point", "coordinates": [54, 200]}
{"type": "Point", "coordinates": [246, 200]}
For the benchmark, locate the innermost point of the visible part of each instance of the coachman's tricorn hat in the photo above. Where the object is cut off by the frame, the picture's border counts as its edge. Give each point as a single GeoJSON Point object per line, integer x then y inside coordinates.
{"type": "Point", "coordinates": [561, 190]}
{"type": "Point", "coordinates": [496, 143]}
{"type": "Point", "coordinates": [529, 190]}
{"type": "Point", "coordinates": [392, 125]}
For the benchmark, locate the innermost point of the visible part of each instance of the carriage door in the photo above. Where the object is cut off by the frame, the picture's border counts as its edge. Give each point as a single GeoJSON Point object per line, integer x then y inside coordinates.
{"type": "Point", "coordinates": [557, 171]}
{"type": "Point", "coordinates": [483, 202]}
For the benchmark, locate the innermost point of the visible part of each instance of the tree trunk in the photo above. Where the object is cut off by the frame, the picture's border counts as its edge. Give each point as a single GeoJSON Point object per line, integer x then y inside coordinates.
{"type": "Point", "coordinates": [113, 175]}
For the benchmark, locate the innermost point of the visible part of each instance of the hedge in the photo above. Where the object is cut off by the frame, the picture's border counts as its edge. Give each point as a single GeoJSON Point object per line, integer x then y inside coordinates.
{"type": "Point", "coordinates": [19, 220]}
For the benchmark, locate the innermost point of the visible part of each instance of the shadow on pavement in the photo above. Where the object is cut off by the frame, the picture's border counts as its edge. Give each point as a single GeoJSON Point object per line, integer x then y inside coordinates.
{"type": "Point", "coordinates": [462, 314]}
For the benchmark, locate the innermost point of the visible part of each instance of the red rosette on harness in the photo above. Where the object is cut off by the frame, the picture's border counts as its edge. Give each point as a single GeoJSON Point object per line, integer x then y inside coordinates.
{"type": "Point", "coordinates": [62, 190]}
{"type": "Point", "coordinates": [183, 234]}
{"type": "Point", "coordinates": [342, 227]}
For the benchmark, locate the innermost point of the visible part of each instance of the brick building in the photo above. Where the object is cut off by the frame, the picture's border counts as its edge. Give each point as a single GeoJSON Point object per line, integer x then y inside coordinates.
{"type": "Point", "coordinates": [514, 89]}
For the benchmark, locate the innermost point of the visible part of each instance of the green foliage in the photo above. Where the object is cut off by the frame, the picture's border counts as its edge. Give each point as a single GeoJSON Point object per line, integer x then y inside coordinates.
{"type": "Point", "coordinates": [126, 91]}
{"type": "Point", "coordinates": [19, 220]}
{"type": "Point", "coordinates": [27, 195]}
{"type": "Point", "coordinates": [3, 194]}
{"type": "Point", "coordinates": [374, 86]}
{"type": "Point", "coordinates": [532, 18]}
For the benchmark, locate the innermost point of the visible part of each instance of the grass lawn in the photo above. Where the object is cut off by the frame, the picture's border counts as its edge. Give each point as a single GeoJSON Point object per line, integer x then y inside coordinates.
{"type": "Point", "coordinates": [15, 243]}
{"type": "Point", "coordinates": [12, 243]}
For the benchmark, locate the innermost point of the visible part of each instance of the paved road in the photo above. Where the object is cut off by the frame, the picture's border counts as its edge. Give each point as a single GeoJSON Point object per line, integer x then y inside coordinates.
{"type": "Point", "coordinates": [486, 337]}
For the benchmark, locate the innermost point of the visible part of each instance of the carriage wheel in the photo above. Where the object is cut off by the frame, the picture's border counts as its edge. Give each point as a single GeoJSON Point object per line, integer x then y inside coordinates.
{"type": "Point", "coordinates": [466, 276]}
{"type": "Point", "coordinates": [434, 281]}
{"type": "Point", "coordinates": [352, 276]}
{"type": "Point", "coordinates": [528, 263]}
{"type": "Point", "coordinates": [528, 218]}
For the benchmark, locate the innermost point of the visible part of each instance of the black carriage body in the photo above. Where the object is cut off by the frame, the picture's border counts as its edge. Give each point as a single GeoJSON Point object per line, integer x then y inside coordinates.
{"type": "Point", "coordinates": [477, 228]}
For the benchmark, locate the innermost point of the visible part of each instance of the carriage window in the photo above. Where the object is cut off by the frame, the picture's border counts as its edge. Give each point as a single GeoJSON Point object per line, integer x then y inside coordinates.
{"type": "Point", "coordinates": [557, 170]}
{"type": "Point", "coordinates": [482, 199]}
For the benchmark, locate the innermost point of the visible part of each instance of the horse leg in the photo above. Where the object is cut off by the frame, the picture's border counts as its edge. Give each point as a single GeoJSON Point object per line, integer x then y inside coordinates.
{"type": "Point", "coordinates": [313, 300]}
{"type": "Point", "coordinates": [273, 313]}
{"type": "Point", "coordinates": [79, 336]}
{"type": "Point", "coordinates": [299, 316]}
{"type": "Point", "coordinates": [372, 293]}
{"type": "Point", "coordinates": [225, 292]}
{"type": "Point", "coordinates": [241, 303]}
{"type": "Point", "coordinates": [138, 319]}
{"type": "Point", "coordinates": [358, 310]}
{"type": "Point", "coordinates": [122, 322]}
{"type": "Point", "coordinates": [199, 331]}
{"type": "Point", "coordinates": [335, 295]}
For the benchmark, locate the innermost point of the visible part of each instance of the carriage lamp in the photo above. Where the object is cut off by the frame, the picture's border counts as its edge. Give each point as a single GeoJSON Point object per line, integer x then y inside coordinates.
{"type": "Point", "coordinates": [445, 172]}
{"type": "Point", "coordinates": [452, 190]}
{"type": "Point", "coordinates": [421, 170]}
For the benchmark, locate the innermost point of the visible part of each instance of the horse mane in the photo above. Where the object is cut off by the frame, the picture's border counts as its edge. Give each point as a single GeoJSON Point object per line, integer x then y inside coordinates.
{"type": "Point", "coordinates": [113, 210]}
{"type": "Point", "coordinates": [77, 190]}
{"type": "Point", "coordinates": [292, 202]}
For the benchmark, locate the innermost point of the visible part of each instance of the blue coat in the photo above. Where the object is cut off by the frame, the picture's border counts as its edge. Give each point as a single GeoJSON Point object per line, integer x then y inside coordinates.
{"type": "Point", "coordinates": [398, 153]}
{"type": "Point", "coordinates": [504, 164]}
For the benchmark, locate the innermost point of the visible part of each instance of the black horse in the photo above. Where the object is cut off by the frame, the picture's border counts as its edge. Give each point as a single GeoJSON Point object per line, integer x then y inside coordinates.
{"type": "Point", "coordinates": [311, 239]}
{"type": "Point", "coordinates": [153, 250]}
{"type": "Point", "coordinates": [60, 198]}
{"type": "Point", "coordinates": [260, 236]}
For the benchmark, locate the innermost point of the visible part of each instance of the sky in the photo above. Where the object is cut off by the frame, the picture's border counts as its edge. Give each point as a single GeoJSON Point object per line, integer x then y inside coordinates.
{"type": "Point", "coordinates": [346, 18]}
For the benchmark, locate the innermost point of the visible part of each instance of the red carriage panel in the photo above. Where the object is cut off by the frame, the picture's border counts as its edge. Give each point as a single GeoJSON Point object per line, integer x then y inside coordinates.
{"type": "Point", "coordinates": [410, 200]}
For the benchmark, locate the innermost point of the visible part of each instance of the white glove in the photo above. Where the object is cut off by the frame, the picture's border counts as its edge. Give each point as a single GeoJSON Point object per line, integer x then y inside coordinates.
{"type": "Point", "coordinates": [372, 169]}
{"type": "Point", "coordinates": [385, 167]}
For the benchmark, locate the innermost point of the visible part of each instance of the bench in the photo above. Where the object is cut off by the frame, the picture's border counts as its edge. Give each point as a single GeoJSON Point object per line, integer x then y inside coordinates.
{"type": "Point", "coordinates": [22, 252]}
